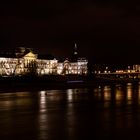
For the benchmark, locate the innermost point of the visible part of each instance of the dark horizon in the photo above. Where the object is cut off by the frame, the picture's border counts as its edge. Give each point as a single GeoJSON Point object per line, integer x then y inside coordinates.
{"type": "Point", "coordinates": [102, 58]}
{"type": "Point", "coordinates": [105, 32]}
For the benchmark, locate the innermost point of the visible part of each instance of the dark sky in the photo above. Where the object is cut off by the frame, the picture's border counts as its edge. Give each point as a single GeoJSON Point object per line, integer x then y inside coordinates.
{"type": "Point", "coordinates": [105, 31]}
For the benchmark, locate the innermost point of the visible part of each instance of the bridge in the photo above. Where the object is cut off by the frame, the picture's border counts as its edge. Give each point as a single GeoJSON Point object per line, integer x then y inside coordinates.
{"type": "Point", "coordinates": [119, 75]}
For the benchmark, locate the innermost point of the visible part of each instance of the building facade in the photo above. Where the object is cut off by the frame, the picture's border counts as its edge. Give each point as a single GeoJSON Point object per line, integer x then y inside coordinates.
{"type": "Point", "coordinates": [27, 62]}
{"type": "Point", "coordinates": [136, 68]}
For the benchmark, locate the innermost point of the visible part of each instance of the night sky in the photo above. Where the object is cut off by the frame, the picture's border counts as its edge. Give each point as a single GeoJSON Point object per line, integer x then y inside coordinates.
{"type": "Point", "coordinates": [105, 31]}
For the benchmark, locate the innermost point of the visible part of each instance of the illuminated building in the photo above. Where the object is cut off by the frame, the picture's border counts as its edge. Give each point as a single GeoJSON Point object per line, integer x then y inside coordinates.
{"type": "Point", "coordinates": [46, 66]}
{"type": "Point", "coordinates": [76, 65]}
{"type": "Point", "coordinates": [79, 67]}
{"type": "Point", "coordinates": [136, 68]}
{"type": "Point", "coordinates": [25, 61]}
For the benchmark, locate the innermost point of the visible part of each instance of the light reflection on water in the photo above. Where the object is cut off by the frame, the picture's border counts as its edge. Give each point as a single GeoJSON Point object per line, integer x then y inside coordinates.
{"type": "Point", "coordinates": [129, 94]}
{"type": "Point", "coordinates": [106, 111]}
{"type": "Point", "coordinates": [70, 94]}
{"type": "Point", "coordinates": [42, 115]}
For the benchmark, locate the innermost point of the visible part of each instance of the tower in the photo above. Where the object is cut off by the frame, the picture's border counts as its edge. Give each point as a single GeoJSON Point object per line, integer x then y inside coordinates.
{"type": "Point", "coordinates": [75, 49]}
{"type": "Point", "coordinates": [75, 52]}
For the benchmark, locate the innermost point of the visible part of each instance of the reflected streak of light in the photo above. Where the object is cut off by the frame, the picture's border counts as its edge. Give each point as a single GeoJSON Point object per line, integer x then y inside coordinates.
{"type": "Point", "coordinates": [70, 113]}
{"type": "Point", "coordinates": [129, 84]}
{"type": "Point", "coordinates": [107, 96]}
{"type": "Point", "coordinates": [69, 94]}
{"type": "Point", "coordinates": [98, 93]}
{"type": "Point", "coordinates": [42, 101]}
{"type": "Point", "coordinates": [22, 94]}
{"type": "Point", "coordinates": [106, 88]}
{"type": "Point", "coordinates": [43, 115]}
{"type": "Point", "coordinates": [118, 95]}
{"type": "Point", "coordinates": [129, 94]}
{"type": "Point", "coordinates": [107, 93]}
{"type": "Point", "coordinates": [7, 104]}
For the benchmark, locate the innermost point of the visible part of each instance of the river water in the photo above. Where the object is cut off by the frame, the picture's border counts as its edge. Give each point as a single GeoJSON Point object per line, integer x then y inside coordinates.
{"type": "Point", "coordinates": [102, 112]}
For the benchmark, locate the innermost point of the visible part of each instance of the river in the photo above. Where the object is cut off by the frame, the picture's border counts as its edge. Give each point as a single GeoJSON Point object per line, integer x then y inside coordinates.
{"type": "Point", "coordinates": [108, 112]}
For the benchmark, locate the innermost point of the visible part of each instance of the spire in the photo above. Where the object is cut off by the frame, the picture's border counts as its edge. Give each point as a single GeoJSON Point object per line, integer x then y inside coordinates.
{"type": "Point", "coordinates": [75, 49]}
{"type": "Point", "coordinates": [75, 53]}
{"type": "Point", "coordinates": [75, 45]}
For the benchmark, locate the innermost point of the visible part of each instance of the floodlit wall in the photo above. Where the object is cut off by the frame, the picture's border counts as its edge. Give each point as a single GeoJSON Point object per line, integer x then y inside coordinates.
{"type": "Point", "coordinates": [46, 66]}
{"type": "Point", "coordinates": [25, 65]}
{"type": "Point", "coordinates": [136, 68]}
{"type": "Point", "coordinates": [7, 66]}
{"type": "Point", "coordinates": [79, 67]}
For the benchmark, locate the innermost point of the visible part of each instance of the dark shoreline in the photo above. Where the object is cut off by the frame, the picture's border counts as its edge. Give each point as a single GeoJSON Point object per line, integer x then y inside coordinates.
{"type": "Point", "coordinates": [33, 83]}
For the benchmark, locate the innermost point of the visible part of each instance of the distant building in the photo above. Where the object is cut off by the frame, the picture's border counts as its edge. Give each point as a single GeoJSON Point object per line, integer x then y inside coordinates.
{"type": "Point", "coordinates": [75, 65]}
{"type": "Point", "coordinates": [136, 68]}
{"type": "Point", "coordinates": [25, 61]}
{"type": "Point", "coordinates": [78, 67]}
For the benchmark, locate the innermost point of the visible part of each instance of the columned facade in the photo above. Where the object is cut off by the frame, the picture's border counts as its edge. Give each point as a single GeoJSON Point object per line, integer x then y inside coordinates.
{"type": "Point", "coordinates": [30, 64]}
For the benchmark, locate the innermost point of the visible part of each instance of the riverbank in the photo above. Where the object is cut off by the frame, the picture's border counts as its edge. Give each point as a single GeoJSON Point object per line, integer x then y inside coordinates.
{"type": "Point", "coordinates": [34, 83]}
{"type": "Point", "coordinates": [22, 83]}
